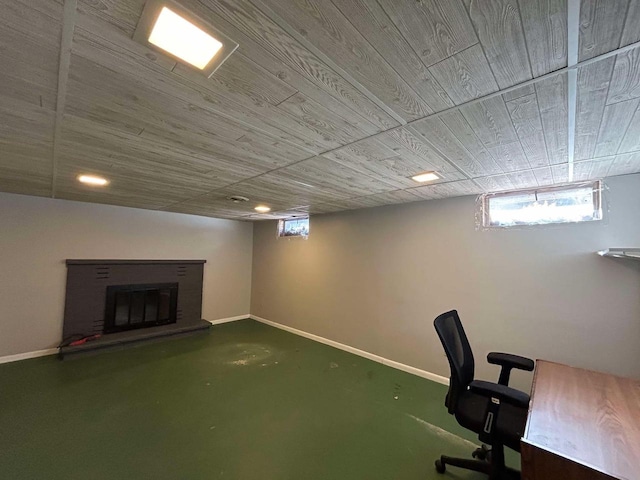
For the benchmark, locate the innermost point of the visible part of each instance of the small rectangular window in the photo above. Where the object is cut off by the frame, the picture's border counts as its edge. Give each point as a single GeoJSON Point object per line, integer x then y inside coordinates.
{"type": "Point", "coordinates": [562, 204]}
{"type": "Point", "coordinates": [294, 227]}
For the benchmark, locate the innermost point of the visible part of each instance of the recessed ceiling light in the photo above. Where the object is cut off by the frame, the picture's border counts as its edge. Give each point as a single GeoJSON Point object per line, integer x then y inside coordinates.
{"type": "Point", "coordinates": [167, 26]}
{"type": "Point", "coordinates": [262, 209]}
{"type": "Point", "coordinates": [425, 177]}
{"type": "Point", "coordinates": [93, 180]}
{"type": "Point", "coordinates": [183, 39]}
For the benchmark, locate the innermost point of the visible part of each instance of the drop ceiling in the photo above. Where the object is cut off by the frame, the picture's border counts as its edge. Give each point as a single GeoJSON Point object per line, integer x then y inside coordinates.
{"type": "Point", "coordinates": [325, 106]}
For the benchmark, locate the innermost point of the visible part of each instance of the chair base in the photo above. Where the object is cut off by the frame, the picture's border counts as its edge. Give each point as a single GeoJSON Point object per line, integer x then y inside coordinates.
{"type": "Point", "coordinates": [496, 470]}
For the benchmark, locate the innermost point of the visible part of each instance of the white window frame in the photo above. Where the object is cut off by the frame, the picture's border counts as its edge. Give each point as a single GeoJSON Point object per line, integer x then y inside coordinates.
{"type": "Point", "coordinates": [484, 203]}
{"type": "Point", "coordinates": [282, 223]}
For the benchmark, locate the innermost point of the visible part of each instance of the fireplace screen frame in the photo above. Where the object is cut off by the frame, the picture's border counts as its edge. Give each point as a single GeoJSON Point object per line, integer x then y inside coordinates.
{"type": "Point", "coordinates": [112, 292]}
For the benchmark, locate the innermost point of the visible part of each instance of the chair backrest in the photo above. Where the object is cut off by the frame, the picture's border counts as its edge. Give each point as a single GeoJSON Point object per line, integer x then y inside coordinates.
{"type": "Point", "coordinates": [458, 350]}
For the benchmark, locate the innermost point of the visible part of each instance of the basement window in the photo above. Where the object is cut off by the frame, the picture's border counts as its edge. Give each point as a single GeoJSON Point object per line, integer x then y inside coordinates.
{"type": "Point", "coordinates": [562, 204]}
{"type": "Point", "coordinates": [294, 227]}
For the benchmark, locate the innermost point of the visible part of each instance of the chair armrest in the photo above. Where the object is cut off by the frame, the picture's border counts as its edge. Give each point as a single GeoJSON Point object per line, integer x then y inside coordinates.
{"type": "Point", "coordinates": [501, 392]}
{"type": "Point", "coordinates": [512, 361]}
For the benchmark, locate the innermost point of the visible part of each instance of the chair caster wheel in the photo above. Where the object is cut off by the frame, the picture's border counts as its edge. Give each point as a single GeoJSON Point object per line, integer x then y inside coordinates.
{"type": "Point", "coordinates": [481, 453]}
{"type": "Point", "coordinates": [440, 467]}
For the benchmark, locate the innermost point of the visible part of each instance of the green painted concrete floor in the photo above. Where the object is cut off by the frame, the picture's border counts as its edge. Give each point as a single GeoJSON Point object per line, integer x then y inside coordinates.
{"type": "Point", "coordinates": [246, 401]}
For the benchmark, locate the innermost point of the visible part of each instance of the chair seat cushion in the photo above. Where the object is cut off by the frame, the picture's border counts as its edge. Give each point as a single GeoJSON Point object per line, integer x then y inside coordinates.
{"type": "Point", "coordinates": [470, 413]}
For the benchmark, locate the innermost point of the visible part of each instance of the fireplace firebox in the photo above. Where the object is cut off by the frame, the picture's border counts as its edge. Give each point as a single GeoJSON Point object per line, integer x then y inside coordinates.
{"type": "Point", "coordinates": [129, 307]}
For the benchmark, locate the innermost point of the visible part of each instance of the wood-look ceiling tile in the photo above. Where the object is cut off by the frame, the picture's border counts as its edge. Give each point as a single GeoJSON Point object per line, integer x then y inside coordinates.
{"type": "Point", "coordinates": [625, 82]}
{"type": "Point", "coordinates": [141, 156]}
{"type": "Point", "coordinates": [435, 29]}
{"type": "Point", "coordinates": [25, 166]}
{"type": "Point", "coordinates": [560, 172]}
{"type": "Point", "coordinates": [523, 179]}
{"type": "Point", "coordinates": [519, 92]}
{"type": "Point", "coordinates": [443, 190]}
{"type": "Point", "coordinates": [601, 24]}
{"type": "Point", "coordinates": [333, 96]}
{"type": "Point", "coordinates": [614, 124]}
{"type": "Point", "coordinates": [276, 188]}
{"type": "Point", "coordinates": [525, 116]}
{"type": "Point", "coordinates": [375, 25]}
{"type": "Point", "coordinates": [264, 32]}
{"type": "Point", "coordinates": [330, 124]}
{"type": "Point", "coordinates": [123, 190]}
{"type": "Point", "coordinates": [631, 139]}
{"type": "Point", "coordinates": [394, 197]}
{"type": "Point", "coordinates": [38, 19]}
{"type": "Point", "coordinates": [593, 83]}
{"type": "Point", "coordinates": [552, 103]}
{"type": "Point", "coordinates": [121, 15]}
{"type": "Point", "coordinates": [331, 176]}
{"type": "Point", "coordinates": [494, 183]}
{"type": "Point", "coordinates": [24, 122]}
{"type": "Point", "coordinates": [510, 156]}
{"type": "Point", "coordinates": [239, 74]}
{"type": "Point", "coordinates": [465, 75]}
{"type": "Point", "coordinates": [631, 32]}
{"type": "Point", "coordinates": [433, 132]}
{"type": "Point", "coordinates": [119, 54]}
{"type": "Point", "coordinates": [500, 30]}
{"type": "Point", "coordinates": [490, 120]}
{"type": "Point", "coordinates": [480, 162]}
{"type": "Point", "coordinates": [592, 169]}
{"type": "Point", "coordinates": [625, 164]}
{"type": "Point", "coordinates": [544, 176]}
{"type": "Point", "coordinates": [415, 156]}
{"type": "Point", "coordinates": [24, 90]}
{"type": "Point", "coordinates": [545, 28]}
{"type": "Point", "coordinates": [326, 29]}
{"type": "Point", "coordinates": [369, 201]}
{"type": "Point", "coordinates": [217, 203]}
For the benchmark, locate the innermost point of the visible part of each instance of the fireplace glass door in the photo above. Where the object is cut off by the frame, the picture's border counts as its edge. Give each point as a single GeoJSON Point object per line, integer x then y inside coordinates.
{"type": "Point", "coordinates": [137, 306]}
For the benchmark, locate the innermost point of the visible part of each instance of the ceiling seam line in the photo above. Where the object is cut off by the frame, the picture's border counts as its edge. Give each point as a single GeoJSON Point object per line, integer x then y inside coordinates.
{"type": "Point", "coordinates": [66, 40]}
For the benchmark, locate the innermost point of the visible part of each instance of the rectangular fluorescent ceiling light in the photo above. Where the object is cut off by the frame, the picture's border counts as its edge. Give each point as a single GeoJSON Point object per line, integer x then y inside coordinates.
{"type": "Point", "coordinates": [183, 39]}
{"type": "Point", "coordinates": [171, 29]}
{"type": "Point", "coordinates": [425, 177]}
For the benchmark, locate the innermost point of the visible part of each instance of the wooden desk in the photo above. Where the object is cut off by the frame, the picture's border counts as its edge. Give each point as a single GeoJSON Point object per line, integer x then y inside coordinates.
{"type": "Point", "coordinates": [582, 425]}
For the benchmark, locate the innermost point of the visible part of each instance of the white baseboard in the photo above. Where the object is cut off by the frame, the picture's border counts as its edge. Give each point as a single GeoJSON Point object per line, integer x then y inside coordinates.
{"type": "Point", "coordinates": [27, 355]}
{"type": "Point", "coordinates": [229, 319]}
{"type": "Point", "coordinates": [356, 351]}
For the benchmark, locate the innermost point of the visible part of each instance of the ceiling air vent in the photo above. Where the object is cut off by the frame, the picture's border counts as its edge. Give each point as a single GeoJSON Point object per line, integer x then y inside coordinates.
{"type": "Point", "coordinates": [238, 199]}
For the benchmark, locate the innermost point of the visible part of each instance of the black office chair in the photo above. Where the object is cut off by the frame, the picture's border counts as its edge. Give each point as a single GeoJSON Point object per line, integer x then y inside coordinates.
{"type": "Point", "coordinates": [496, 412]}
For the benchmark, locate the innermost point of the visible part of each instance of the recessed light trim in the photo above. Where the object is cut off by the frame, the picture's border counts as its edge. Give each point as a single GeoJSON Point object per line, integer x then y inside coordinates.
{"type": "Point", "coordinates": [262, 209]}
{"type": "Point", "coordinates": [173, 30]}
{"type": "Point", "coordinates": [181, 38]}
{"type": "Point", "coordinates": [93, 180]}
{"type": "Point", "coordinates": [425, 177]}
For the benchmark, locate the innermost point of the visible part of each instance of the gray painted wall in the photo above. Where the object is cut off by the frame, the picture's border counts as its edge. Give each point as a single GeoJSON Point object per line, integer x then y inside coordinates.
{"type": "Point", "coordinates": [376, 278]}
{"type": "Point", "coordinates": [38, 234]}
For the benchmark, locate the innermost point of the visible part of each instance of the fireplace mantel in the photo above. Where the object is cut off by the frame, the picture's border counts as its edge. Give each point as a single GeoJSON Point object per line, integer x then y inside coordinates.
{"type": "Point", "coordinates": [134, 262]}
